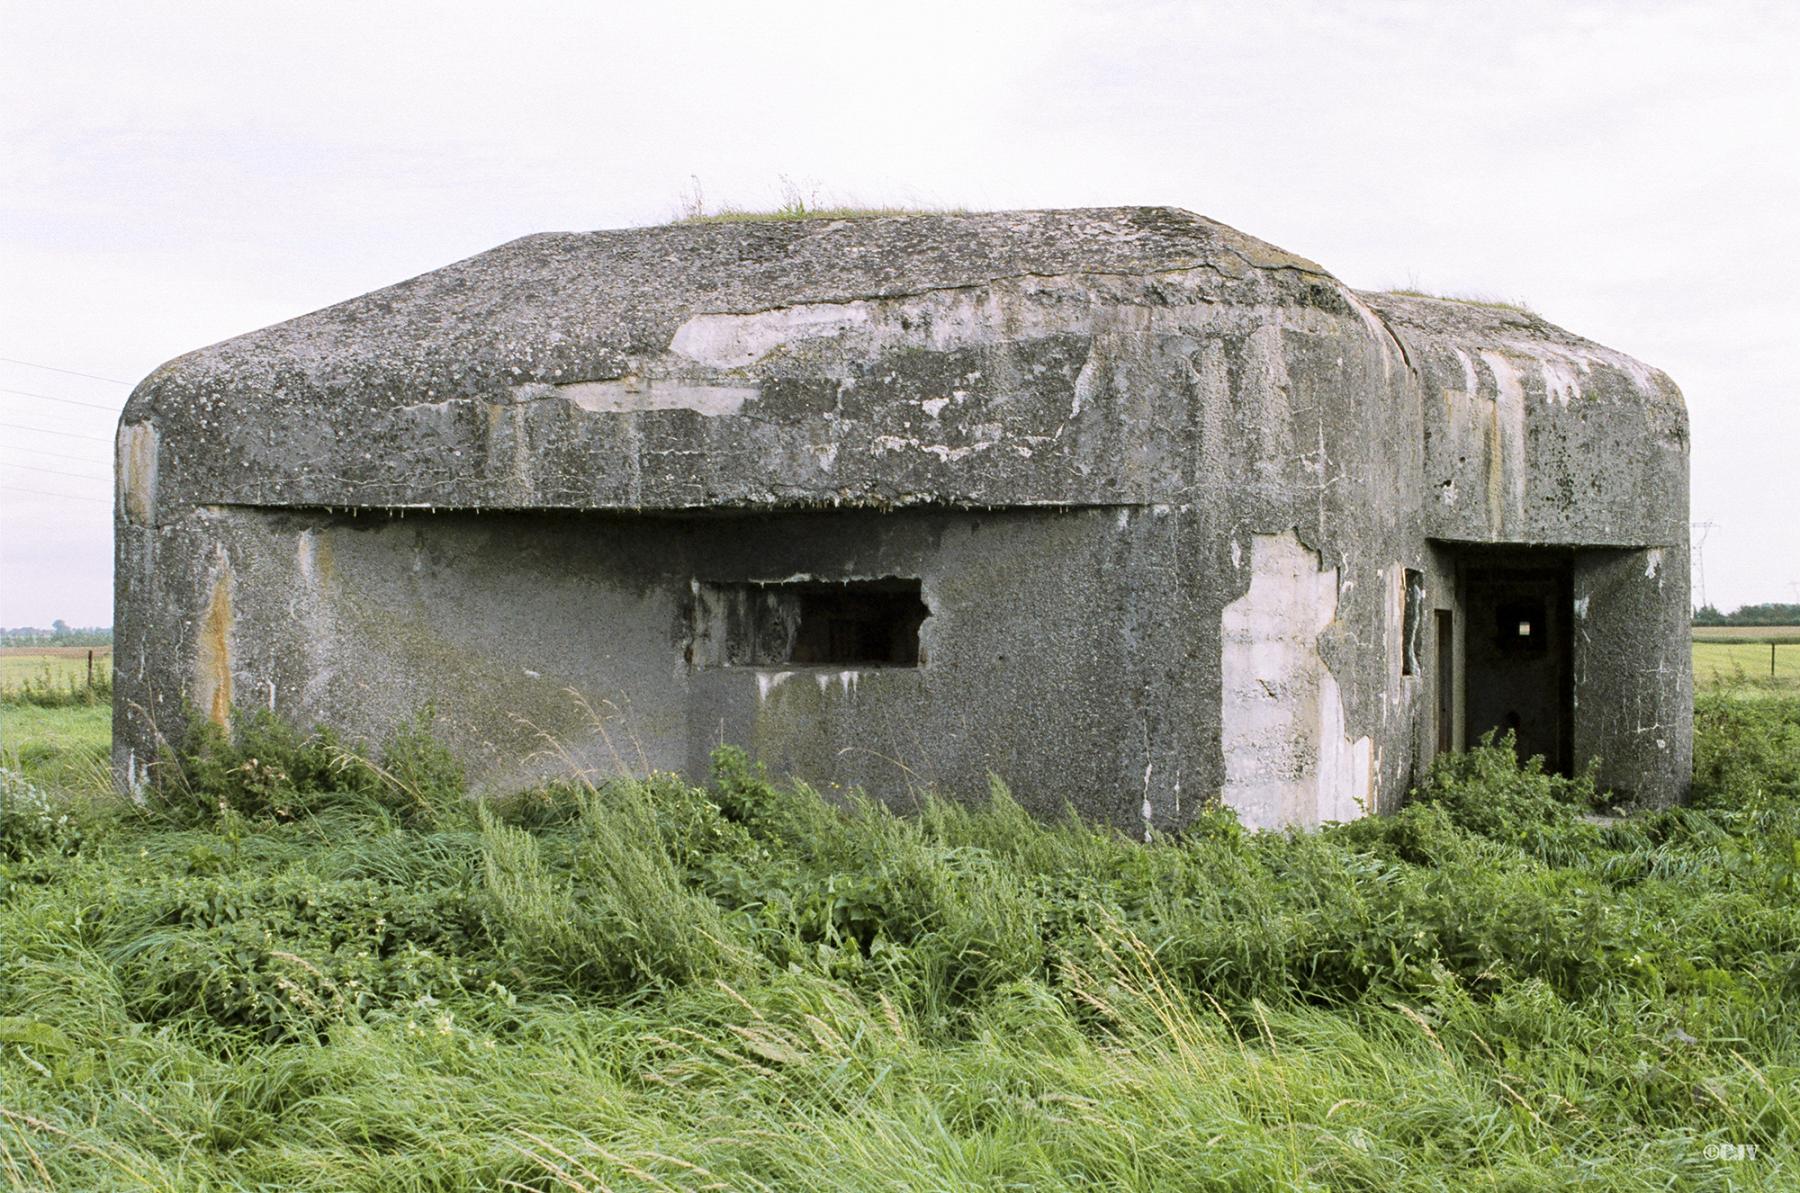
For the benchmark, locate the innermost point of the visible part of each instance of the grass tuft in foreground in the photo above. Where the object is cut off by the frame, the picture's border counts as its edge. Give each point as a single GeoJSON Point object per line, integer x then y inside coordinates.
{"type": "Point", "coordinates": [297, 968]}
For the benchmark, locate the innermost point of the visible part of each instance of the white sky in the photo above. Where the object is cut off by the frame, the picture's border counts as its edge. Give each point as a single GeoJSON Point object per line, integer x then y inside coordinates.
{"type": "Point", "coordinates": [175, 174]}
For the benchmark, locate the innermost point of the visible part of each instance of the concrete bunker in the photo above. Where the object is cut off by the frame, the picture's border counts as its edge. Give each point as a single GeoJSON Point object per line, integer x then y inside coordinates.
{"type": "Point", "coordinates": [1127, 507]}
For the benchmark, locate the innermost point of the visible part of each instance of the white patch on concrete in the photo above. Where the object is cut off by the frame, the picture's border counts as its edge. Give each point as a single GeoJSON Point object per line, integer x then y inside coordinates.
{"type": "Point", "coordinates": [437, 408]}
{"type": "Point", "coordinates": [845, 680]}
{"type": "Point", "coordinates": [943, 451]}
{"type": "Point", "coordinates": [629, 395]}
{"type": "Point", "coordinates": [1580, 360]}
{"type": "Point", "coordinates": [1471, 384]}
{"type": "Point", "coordinates": [1087, 382]}
{"type": "Point", "coordinates": [768, 681]}
{"type": "Point", "coordinates": [1507, 466]}
{"type": "Point", "coordinates": [306, 556]}
{"type": "Point", "coordinates": [1562, 379]}
{"type": "Point", "coordinates": [1378, 330]}
{"type": "Point", "coordinates": [1581, 608]}
{"type": "Point", "coordinates": [1653, 561]}
{"type": "Point", "coordinates": [738, 341]}
{"type": "Point", "coordinates": [137, 455]}
{"type": "Point", "coordinates": [933, 406]}
{"type": "Point", "coordinates": [137, 778]}
{"type": "Point", "coordinates": [1288, 759]}
{"type": "Point", "coordinates": [1394, 606]}
{"type": "Point", "coordinates": [1237, 555]}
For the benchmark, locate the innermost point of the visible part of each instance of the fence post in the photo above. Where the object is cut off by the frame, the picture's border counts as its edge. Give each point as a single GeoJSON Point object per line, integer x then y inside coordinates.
{"type": "Point", "coordinates": [91, 673]}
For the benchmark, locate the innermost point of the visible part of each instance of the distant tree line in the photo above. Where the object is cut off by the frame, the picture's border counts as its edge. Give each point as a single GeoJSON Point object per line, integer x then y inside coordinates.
{"type": "Point", "coordinates": [1773, 613]}
{"type": "Point", "coordinates": [60, 633]}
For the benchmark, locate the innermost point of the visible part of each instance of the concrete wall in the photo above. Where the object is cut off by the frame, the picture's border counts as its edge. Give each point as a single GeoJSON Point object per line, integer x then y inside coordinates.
{"type": "Point", "coordinates": [1634, 683]}
{"type": "Point", "coordinates": [1077, 653]}
{"type": "Point", "coordinates": [493, 618]}
{"type": "Point", "coordinates": [1534, 436]}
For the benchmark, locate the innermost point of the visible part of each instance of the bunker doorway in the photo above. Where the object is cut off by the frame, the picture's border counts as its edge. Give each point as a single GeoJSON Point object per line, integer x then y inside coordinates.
{"type": "Point", "coordinates": [1518, 668]}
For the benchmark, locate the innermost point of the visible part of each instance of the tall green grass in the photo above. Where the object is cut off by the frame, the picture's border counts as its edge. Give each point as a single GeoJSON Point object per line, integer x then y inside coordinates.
{"type": "Point", "coordinates": [298, 967]}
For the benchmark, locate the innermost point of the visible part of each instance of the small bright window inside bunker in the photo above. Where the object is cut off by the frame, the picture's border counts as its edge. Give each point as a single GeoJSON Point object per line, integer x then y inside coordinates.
{"type": "Point", "coordinates": [810, 623]}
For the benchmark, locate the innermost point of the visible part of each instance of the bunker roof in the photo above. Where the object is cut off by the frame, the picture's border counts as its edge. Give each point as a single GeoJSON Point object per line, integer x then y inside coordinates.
{"type": "Point", "coordinates": [437, 390]}
{"type": "Point", "coordinates": [560, 305]}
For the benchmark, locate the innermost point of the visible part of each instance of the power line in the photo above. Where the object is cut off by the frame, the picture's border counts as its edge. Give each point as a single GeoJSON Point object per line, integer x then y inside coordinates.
{"type": "Point", "coordinates": [38, 451]}
{"type": "Point", "coordinates": [64, 434]}
{"type": "Point", "coordinates": [32, 364]}
{"type": "Point", "coordinates": [82, 476]}
{"type": "Point", "coordinates": [47, 493]}
{"type": "Point", "coordinates": [25, 393]}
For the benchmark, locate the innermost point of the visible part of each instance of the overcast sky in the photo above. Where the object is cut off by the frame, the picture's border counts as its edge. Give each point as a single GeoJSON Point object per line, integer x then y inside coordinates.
{"type": "Point", "coordinates": [172, 174]}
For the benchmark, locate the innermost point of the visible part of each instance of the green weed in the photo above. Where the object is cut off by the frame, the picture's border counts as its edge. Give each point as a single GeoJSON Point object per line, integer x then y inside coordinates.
{"type": "Point", "coordinates": [328, 969]}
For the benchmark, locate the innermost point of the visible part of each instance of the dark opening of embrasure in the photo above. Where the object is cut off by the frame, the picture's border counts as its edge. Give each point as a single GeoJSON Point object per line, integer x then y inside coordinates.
{"type": "Point", "coordinates": [813, 623]}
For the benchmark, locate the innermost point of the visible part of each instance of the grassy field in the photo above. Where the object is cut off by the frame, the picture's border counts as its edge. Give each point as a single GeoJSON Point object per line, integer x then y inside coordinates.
{"type": "Point", "coordinates": [54, 674]}
{"type": "Point", "coordinates": [294, 970]}
{"type": "Point", "coordinates": [1743, 633]}
{"type": "Point", "coordinates": [1739, 656]}
{"type": "Point", "coordinates": [64, 749]}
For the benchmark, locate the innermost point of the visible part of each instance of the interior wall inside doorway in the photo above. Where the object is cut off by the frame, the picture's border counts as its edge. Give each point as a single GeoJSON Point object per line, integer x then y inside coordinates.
{"type": "Point", "coordinates": [1516, 653]}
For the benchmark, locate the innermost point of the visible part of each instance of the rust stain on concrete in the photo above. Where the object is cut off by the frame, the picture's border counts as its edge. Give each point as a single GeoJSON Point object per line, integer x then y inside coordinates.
{"type": "Point", "coordinates": [212, 662]}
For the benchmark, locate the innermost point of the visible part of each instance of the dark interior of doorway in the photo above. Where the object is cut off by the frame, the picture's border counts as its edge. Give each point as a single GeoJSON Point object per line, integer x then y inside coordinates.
{"type": "Point", "coordinates": [1518, 649]}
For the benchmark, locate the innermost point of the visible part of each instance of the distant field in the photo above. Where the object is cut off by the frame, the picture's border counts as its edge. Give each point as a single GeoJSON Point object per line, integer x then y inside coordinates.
{"type": "Point", "coordinates": [1729, 662]}
{"type": "Point", "coordinates": [61, 663]}
{"type": "Point", "coordinates": [56, 652]}
{"type": "Point", "coordinates": [1747, 633]}
{"type": "Point", "coordinates": [54, 676]}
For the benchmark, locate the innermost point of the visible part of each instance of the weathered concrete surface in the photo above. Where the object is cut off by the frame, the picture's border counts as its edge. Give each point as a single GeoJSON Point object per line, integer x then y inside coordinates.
{"type": "Point", "coordinates": [1533, 435]}
{"type": "Point", "coordinates": [1287, 758]}
{"type": "Point", "coordinates": [1143, 468]}
{"type": "Point", "coordinates": [1634, 687]}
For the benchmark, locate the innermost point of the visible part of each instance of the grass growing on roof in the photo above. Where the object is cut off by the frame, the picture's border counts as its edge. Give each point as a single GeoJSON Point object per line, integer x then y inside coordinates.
{"type": "Point", "coordinates": [732, 215]}
{"type": "Point", "coordinates": [296, 969]}
{"type": "Point", "coordinates": [796, 203]}
{"type": "Point", "coordinates": [1517, 306]}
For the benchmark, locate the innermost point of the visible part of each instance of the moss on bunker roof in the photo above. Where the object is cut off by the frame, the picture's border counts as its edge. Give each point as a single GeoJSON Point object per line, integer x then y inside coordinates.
{"type": "Point", "coordinates": [557, 306]}
{"type": "Point", "coordinates": [1468, 319]}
